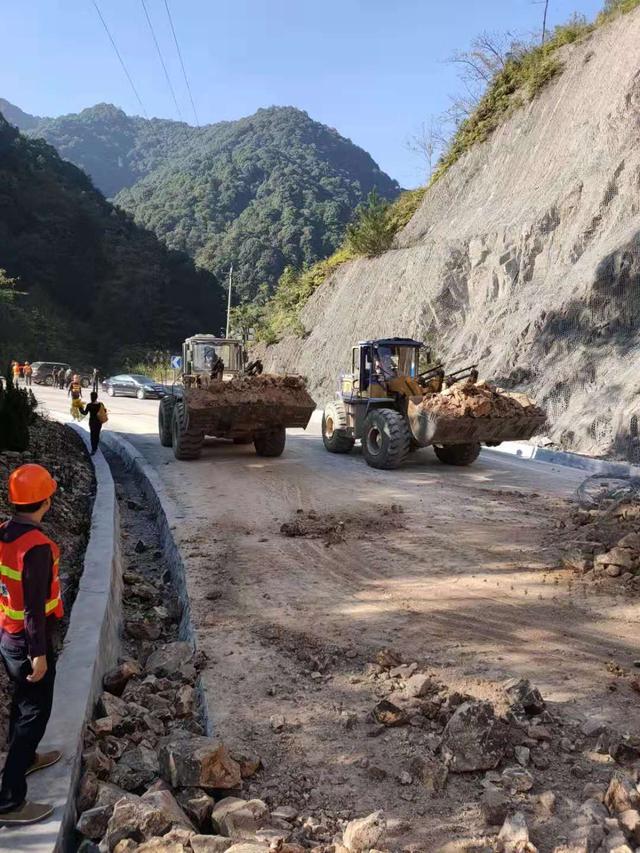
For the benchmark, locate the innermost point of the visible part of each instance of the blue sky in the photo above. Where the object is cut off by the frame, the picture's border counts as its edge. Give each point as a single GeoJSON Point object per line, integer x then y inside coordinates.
{"type": "Point", "coordinates": [374, 69]}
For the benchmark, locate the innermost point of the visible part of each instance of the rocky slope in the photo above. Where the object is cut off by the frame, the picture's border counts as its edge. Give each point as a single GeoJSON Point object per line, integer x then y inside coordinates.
{"type": "Point", "coordinates": [525, 257]}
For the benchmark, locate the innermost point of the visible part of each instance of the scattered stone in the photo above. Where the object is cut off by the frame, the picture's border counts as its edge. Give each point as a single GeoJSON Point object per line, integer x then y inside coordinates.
{"type": "Point", "coordinates": [418, 685]}
{"type": "Point", "coordinates": [185, 701]}
{"type": "Point", "coordinates": [388, 714]}
{"type": "Point", "coordinates": [387, 658]}
{"type": "Point", "coordinates": [285, 813]}
{"type": "Point", "coordinates": [87, 791]}
{"type": "Point", "coordinates": [363, 834]}
{"type": "Point", "coordinates": [430, 772]}
{"type": "Point", "coordinates": [170, 660]}
{"type": "Point", "coordinates": [522, 695]}
{"type": "Point", "coordinates": [210, 843]}
{"type": "Point", "coordinates": [517, 779]}
{"type": "Point", "coordinates": [116, 679]}
{"type": "Point", "coordinates": [472, 738]}
{"type": "Point", "coordinates": [166, 802]}
{"type": "Point", "coordinates": [249, 847]}
{"type": "Point", "coordinates": [137, 768]}
{"type": "Point", "coordinates": [630, 824]}
{"type": "Point", "coordinates": [494, 806]}
{"type": "Point", "coordinates": [93, 822]}
{"type": "Point", "coordinates": [237, 818]}
{"type": "Point", "coordinates": [545, 804]}
{"type": "Point", "coordinates": [405, 670]}
{"type": "Point", "coordinates": [405, 778]}
{"type": "Point", "coordinates": [586, 838]}
{"type": "Point", "coordinates": [514, 835]}
{"type": "Point", "coordinates": [522, 754]}
{"type": "Point", "coordinates": [591, 791]}
{"type": "Point", "coordinates": [593, 727]}
{"type": "Point", "coordinates": [593, 811]}
{"type": "Point", "coordinates": [348, 719]}
{"type": "Point", "coordinates": [197, 805]}
{"type": "Point", "coordinates": [613, 570]}
{"type": "Point", "coordinates": [109, 794]}
{"type": "Point", "coordinates": [277, 722]}
{"type": "Point", "coordinates": [135, 820]}
{"type": "Point", "coordinates": [198, 762]}
{"type": "Point", "coordinates": [96, 761]}
{"type": "Point", "coordinates": [142, 629]}
{"type": "Point", "coordinates": [621, 795]}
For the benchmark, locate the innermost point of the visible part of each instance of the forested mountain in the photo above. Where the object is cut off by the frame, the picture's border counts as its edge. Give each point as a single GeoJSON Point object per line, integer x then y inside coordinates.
{"type": "Point", "coordinates": [91, 281]}
{"type": "Point", "coordinates": [272, 190]}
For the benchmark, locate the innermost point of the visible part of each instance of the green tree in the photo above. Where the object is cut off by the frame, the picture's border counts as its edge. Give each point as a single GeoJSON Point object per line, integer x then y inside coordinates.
{"type": "Point", "coordinates": [371, 233]}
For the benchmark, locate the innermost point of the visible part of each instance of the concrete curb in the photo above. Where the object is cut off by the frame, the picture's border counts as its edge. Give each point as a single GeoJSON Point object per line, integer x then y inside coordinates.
{"type": "Point", "coordinates": [168, 518]}
{"type": "Point", "coordinates": [90, 648]}
{"type": "Point", "coordinates": [532, 452]}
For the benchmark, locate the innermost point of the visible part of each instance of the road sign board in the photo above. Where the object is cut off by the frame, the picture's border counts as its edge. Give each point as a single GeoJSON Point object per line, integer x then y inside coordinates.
{"type": "Point", "coordinates": [176, 362]}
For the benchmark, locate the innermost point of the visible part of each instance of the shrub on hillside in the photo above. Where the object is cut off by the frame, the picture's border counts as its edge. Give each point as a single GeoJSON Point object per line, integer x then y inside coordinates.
{"type": "Point", "coordinates": [17, 413]}
{"type": "Point", "coordinates": [371, 232]}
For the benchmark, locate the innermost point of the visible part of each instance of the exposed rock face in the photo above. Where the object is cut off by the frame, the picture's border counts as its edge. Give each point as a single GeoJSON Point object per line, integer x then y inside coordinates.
{"type": "Point", "coordinates": [473, 738]}
{"type": "Point", "coordinates": [525, 256]}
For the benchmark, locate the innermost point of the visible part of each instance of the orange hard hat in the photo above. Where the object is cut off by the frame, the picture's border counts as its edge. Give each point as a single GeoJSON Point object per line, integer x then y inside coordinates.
{"type": "Point", "coordinates": [30, 484]}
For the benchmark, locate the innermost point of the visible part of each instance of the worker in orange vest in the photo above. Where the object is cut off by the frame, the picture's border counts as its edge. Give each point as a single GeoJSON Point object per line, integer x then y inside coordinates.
{"type": "Point", "coordinates": [28, 373]}
{"type": "Point", "coordinates": [16, 372]}
{"type": "Point", "coordinates": [30, 608]}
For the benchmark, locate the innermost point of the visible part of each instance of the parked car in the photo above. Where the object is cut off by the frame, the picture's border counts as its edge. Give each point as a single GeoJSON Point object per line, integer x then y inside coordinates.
{"type": "Point", "coordinates": [43, 371]}
{"type": "Point", "coordinates": [133, 385]}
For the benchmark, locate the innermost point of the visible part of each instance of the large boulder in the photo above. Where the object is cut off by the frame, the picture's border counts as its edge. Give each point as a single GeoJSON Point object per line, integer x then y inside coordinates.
{"type": "Point", "coordinates": [198, 762]}
{"type": "Point", "coordinates": [523, 697]}
{"type": "Point", "coordinates": [93, 822]}
{"type": "Point", "coordinates": [197, 805]}
{"type": "Point", "coordinates": [170, 660]}
{"type": "Point", "coordinates": [166, 802]}
{"type": "Point", "coordinates": [364, 834]}
{"type": "Point", "coordinates": [210, 843]}
{"type": "Point", "coordinates": [116, 679]}
{"type": "Point", "coordinates": [136, 821]}
{"type": "Point", "coordinates": [473, 738]}
{"type": "Point", "coordinates": [238, 818]}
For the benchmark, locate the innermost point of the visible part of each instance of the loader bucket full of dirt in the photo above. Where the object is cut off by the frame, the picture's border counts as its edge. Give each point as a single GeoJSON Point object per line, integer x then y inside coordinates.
{"type": "Point", "coordinates": [473, 412]}
{"type": "Point", "coordinates": [249, 404]}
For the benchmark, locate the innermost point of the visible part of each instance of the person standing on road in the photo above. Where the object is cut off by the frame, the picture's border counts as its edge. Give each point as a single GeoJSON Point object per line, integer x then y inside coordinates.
{"type": "Point", "coordinates": [68, 376]}
{"type": "Point", "coordinates": [95, 379]}
{"type": "Point", "coordinates": [75, 392]}
{"type": "Point", "coordinates": [16, 373]}
{"type": "Point", "coordinates": [30, 609]}
{"type": "Point", "coordinates": [28, 373]}
{"type": "Point", "coordinates": [61, 378]}
{"type": "Point", "coordinates": [54, 375]}
{"type": "Point", "coordinates": [97, 416]}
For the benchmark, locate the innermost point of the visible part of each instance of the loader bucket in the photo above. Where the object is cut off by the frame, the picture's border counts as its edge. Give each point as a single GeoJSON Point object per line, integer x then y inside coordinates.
{"type": "Point", "coordinates": [428, 428]}
{"type": "Point", "coordinates": [249, 404]}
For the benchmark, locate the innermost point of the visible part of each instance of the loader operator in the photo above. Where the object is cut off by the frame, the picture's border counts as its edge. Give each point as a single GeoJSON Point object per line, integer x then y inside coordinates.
{"type": "Point", "coordinates": [386, 363]}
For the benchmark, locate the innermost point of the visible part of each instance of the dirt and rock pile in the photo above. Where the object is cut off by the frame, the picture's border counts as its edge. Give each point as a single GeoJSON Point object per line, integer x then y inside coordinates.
{"type": "Point", "coordinates": [265, 389]}
{"type": "Point", "coordinates": [602, 533]}
{"type": "Point", "coordinates": [480, 400]}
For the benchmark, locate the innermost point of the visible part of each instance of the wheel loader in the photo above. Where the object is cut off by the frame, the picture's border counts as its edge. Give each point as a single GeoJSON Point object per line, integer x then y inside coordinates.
{"type": "Point", "coordinates": [393, 408]}
{"type": "Point", "coordinates": [223, 395]}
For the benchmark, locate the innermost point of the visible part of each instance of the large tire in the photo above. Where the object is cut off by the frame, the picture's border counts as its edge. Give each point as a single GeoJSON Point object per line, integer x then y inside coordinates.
{"type": "Point", "coordinates": [48, 380]}
{"type": "Point", "coordinates": [334, 428]}
{"type": "Point", "coordinates": [165, 416]}
{"type": "Point", "coordinates": [386, 439]}
{"type": "Point", "coordinates": [187, 443]}
{"type": "Point", "coordinates": [110, 391]}
{"type": "Point", "coordinates": [270, 442]}
{"type": "Point", "coordinates": [140, 394]}
{"type": "Point", "coordinates": [457, 454]}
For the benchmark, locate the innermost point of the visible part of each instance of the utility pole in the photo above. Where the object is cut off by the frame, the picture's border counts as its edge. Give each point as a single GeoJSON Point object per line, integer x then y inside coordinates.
{"type": "Point", "coordinates": [544, 21]}
{"type": "Point", "coordinates": [229, 301]}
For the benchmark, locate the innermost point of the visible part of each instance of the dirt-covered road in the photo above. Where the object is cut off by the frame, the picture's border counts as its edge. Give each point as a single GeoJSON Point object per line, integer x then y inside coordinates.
{"type": "Point", "coordinates": [455, 569]}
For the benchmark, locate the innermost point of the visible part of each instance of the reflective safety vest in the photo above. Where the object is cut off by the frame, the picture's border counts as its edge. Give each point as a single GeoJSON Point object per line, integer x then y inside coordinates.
{"type": "Point", "coordinates": [12, 555]}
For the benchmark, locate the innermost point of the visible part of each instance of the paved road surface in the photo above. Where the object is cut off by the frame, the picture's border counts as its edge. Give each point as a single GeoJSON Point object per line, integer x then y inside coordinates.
{"type": "Point", "coordinates": [464, 580]}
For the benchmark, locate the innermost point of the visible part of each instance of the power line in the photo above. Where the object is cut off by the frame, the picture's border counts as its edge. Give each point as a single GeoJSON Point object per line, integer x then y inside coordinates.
{"type": "Point", "coordinates": [121, 60]}
{"type": "Point", "coordinates": [164, 67]}
{"type": "Point", "coordinates": [184, 73]}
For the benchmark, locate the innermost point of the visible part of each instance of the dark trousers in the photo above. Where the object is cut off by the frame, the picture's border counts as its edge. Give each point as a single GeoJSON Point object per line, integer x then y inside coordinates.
{"type": "Point", "coordinates": [94, 429]}
{"type": "Point", "coordinates": [30, 712]}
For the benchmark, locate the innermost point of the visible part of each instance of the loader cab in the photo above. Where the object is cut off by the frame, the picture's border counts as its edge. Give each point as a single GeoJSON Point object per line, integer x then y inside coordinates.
{"type": "Point", "coordinates": [200, 352]}
{"type": "Point", "coordinates": [375, 363]}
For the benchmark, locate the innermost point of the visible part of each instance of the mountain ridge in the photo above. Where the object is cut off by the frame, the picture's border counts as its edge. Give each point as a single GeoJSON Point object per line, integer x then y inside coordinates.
{"type": "Point", "coordinates": [263, 192]}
